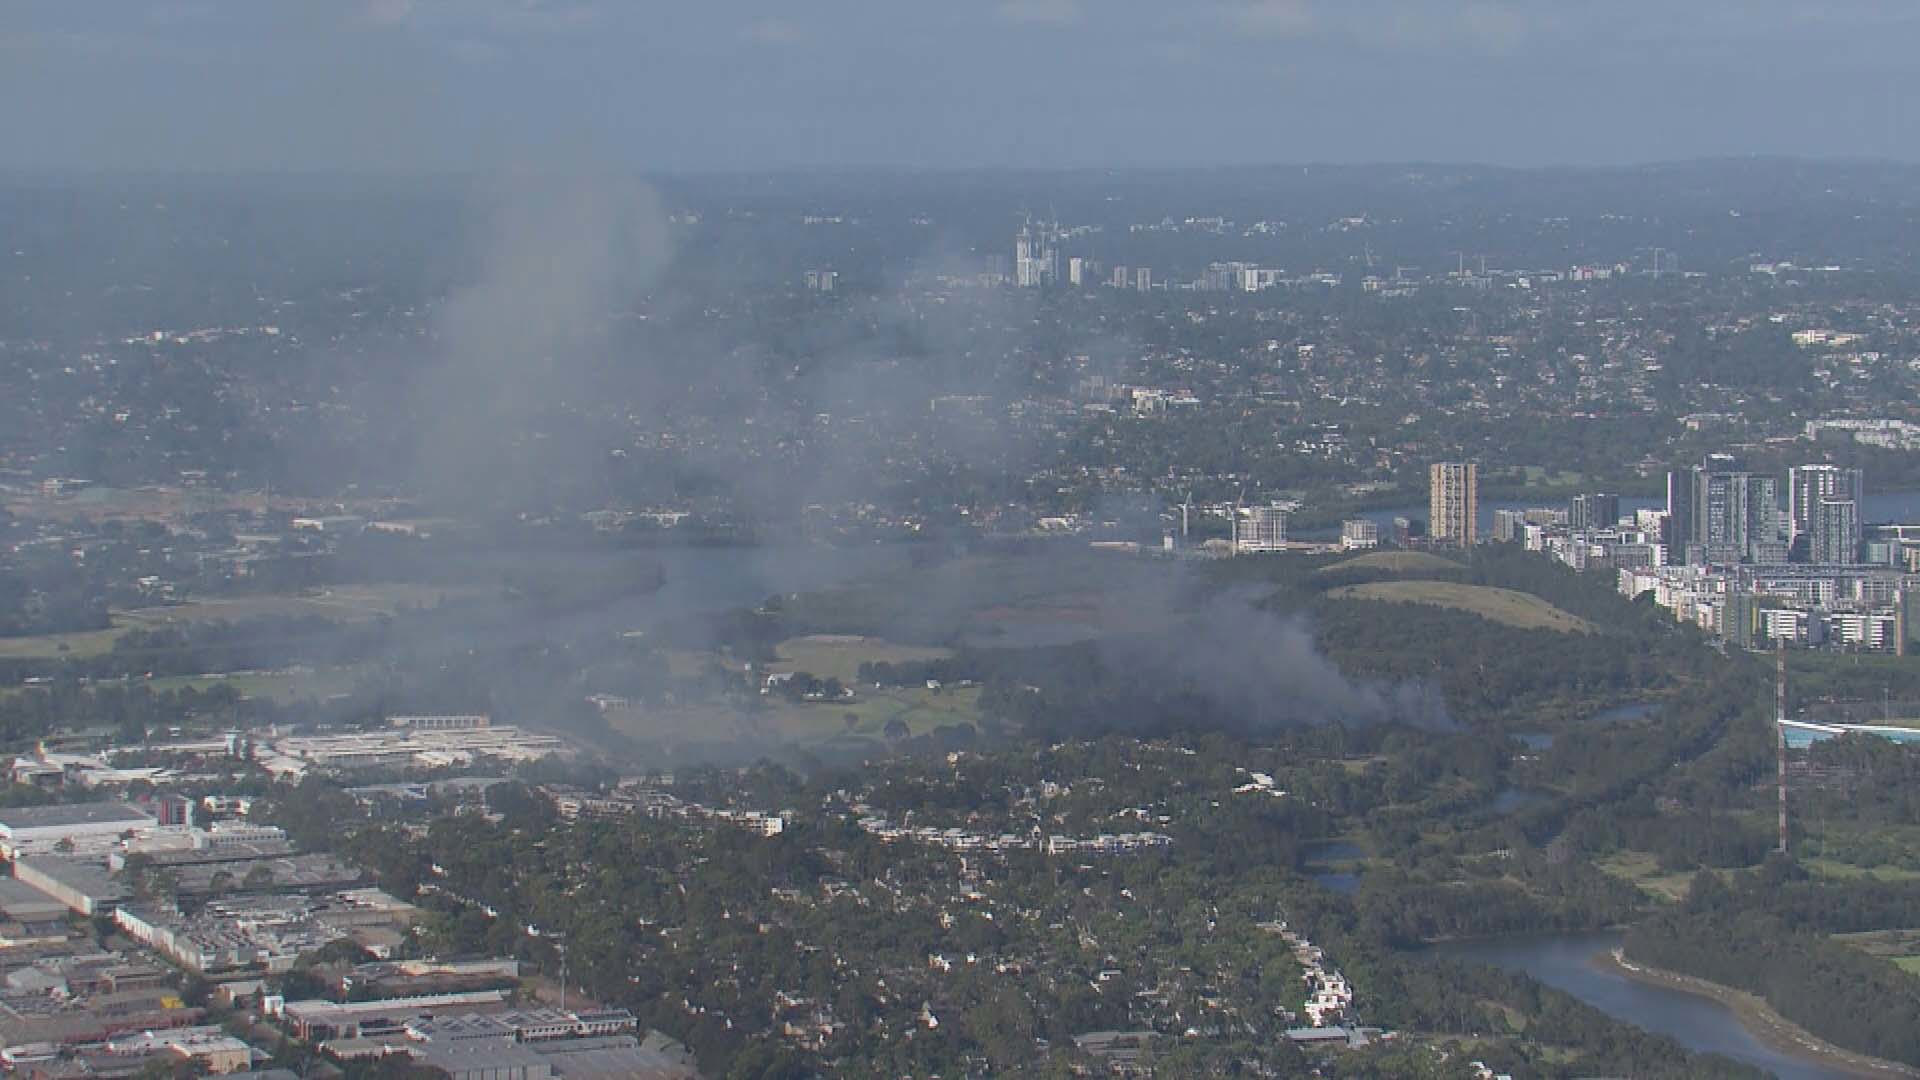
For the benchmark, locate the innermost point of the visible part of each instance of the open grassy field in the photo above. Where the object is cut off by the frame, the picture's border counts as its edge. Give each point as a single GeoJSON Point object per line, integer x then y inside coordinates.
{"type": "Point", "coordinates": [47, 646]}
{"type": "Point", "coordinates": [840, 655]}
{"type": "Point", "coordinates": [922, 710]}
{"type": "Point", "coordinates": [290, 685]}
{"type": "Point", "coordinates": [1396, 562]}
{"type": "Point", "coordinates": [1643, 869]}
{"type": "Point", "coordinates": [1900, 947]}
{"type": "Point", "coordinates": [989, 595]}
{"type": "Point", "coordinates": [773, 721]}
{"type": "Point", "coordinates": [1523, 610]}
{"type": "Point", "coordinates": [1843, 871]}
{"type": "Point", "coordinates": [343, 603]}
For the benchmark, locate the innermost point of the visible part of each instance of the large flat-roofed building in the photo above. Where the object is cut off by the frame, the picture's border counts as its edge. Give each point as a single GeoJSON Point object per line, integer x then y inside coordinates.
{"type": "Point", "coordinates": [461, 722]}
{"type": "Point", "coordinates": [44, 830]}
{"type": "Point", "coordinates": [83, 885]}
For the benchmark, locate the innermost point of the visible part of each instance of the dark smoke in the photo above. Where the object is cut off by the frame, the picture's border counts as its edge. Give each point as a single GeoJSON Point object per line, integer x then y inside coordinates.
{"type": "Point", "coordinates": [1258, 670]}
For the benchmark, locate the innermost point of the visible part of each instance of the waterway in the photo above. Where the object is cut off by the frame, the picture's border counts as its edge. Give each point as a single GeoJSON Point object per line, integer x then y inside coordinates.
{"type": "Point", "coordinates": [1632, 712]}
{"type": "Point", "coordinates": [1570, 962]}
{"type": "Point", "coordinates": [1333, 865]}
{"type": "Point", "coordinates": [1508, 800]}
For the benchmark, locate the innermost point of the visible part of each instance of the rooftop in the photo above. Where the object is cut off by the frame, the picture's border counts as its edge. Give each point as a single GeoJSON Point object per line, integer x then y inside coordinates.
{"type": "Point", "coordinates": [14, 819]}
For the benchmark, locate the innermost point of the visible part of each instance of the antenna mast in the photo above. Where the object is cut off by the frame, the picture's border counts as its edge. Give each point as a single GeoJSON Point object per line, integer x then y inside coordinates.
{"type": "Point", "coordinates": [1780, 734]}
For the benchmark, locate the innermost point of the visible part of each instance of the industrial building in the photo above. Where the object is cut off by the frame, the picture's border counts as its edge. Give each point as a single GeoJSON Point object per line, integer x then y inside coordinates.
{"type": "Point", "coordinates": [68, 827]}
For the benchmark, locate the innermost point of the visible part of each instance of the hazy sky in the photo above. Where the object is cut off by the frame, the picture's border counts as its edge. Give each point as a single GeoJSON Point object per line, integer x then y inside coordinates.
{"type": "Point", "coordinates": [463, 84]}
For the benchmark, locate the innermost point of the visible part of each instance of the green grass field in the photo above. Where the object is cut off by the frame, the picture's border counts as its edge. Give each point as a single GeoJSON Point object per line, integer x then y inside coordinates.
{"type": "Point", "coordinates": [279, 686]}
{"type": "Point", "coordinates": [345, 603]}
{"type": "Point", "coordinates": [920, 709]}
{"type": "Point", "coordinates": [976, 595]}
{"type": "Point", "coordinates": [48, 646]}
{"type": "Point", "coordinates": [840, 655]}
{"type": "Point", "coordinates": [1397, 562]}
{"type": "Point", "coordinates": [1523, 610]}
{"type": "Point", "coordinates": [1899, 947]}
{"type": "Point", "coordinates": [1643, 870]}
{"type": "Point", "coordinates": [1843, 871]}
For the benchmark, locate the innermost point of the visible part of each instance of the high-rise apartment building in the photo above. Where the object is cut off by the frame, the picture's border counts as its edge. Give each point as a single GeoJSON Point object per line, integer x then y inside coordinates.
{"type": "Point", "coordinates": [1833, 531]}
{"type": "Point", "coordinates": [1734, 512]}
{"type": "Point", "coordinates": [1359, 534]}
{"type": "Point", "coordinates": [1732, 516]}
{"type": "Point", "coordinates": [1260, 529]}
{"type": "Point", "coordinates": [1453, 502]}
{"type": "Point", "coordinates": [1807, 487]}
{"type": "Point", "coordinates": [1587, 512]}
{"type": "Point", "coordinates": [1677, 531]}
{"type": "Point", "coordinates": [1036, 263]}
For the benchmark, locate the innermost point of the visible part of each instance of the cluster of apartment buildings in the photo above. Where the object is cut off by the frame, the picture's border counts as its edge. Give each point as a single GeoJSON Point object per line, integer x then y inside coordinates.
{"type": "Point", "coordinates": [1729, 554]}
{"type": "Point", "coordinates": [1753, 569]}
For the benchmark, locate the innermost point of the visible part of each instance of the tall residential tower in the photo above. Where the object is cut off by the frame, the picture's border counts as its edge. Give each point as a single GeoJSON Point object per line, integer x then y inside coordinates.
{"type": "Point", "coordinates": [1814, 511]}
{"type": "Point", "coordinates": [1453, 503]}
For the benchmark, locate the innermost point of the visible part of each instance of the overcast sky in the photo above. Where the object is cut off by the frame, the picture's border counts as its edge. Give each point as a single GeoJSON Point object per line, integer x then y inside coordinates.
{"type": "Point", "coordinates": [405, 85]}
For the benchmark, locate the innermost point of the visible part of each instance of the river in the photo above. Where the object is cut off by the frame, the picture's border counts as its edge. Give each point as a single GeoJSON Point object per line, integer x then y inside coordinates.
{"type": "Point", "coordinates": [1567, 962]}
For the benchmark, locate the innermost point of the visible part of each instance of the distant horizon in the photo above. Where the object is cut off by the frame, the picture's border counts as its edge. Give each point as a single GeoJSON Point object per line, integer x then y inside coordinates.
{"type": "Point", "coordinates": [455, 86]}
{"type": "Point", "coordinates": [8, 172]}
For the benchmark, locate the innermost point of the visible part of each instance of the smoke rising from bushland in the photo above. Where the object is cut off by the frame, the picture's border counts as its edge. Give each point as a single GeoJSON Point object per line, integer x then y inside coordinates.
{"type": "Point", "coordinates": [529, 342]}
{"type": "Point", "coordinates": [1263, 670]}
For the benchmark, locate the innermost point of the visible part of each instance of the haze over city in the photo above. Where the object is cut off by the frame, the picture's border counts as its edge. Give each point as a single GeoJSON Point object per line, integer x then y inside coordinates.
{"type": "Point", "coordinates": [430, 85]}
{"type": "Point", "coordinates": [1055, 538]}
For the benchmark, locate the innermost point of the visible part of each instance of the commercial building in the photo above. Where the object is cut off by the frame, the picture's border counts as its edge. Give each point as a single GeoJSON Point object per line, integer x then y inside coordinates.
{"type": "Point", "coordinates": [83, 885]}
{"type": "Point", "coordinates": [319, 1020]}
{"type": "Point", "coordinates": [1359, 534]}
{"type": "Point", "coordinates": [1453, 503]}
{"type": "Point", "coordinates": [68, 827]}
{"type": "Point", "coordinates": [407, 746]}
{"type": "Point", "coordinates": [450, 722]}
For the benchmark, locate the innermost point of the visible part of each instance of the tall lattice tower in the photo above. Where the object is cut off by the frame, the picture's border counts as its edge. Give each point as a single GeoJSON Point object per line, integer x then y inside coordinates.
{"type": "Point", "coordinates": [1780, 734]}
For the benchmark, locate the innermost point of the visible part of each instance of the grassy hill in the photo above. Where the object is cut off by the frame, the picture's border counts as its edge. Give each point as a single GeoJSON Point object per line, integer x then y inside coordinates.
{"type": "Point", "coordinates": [1523, 610]}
